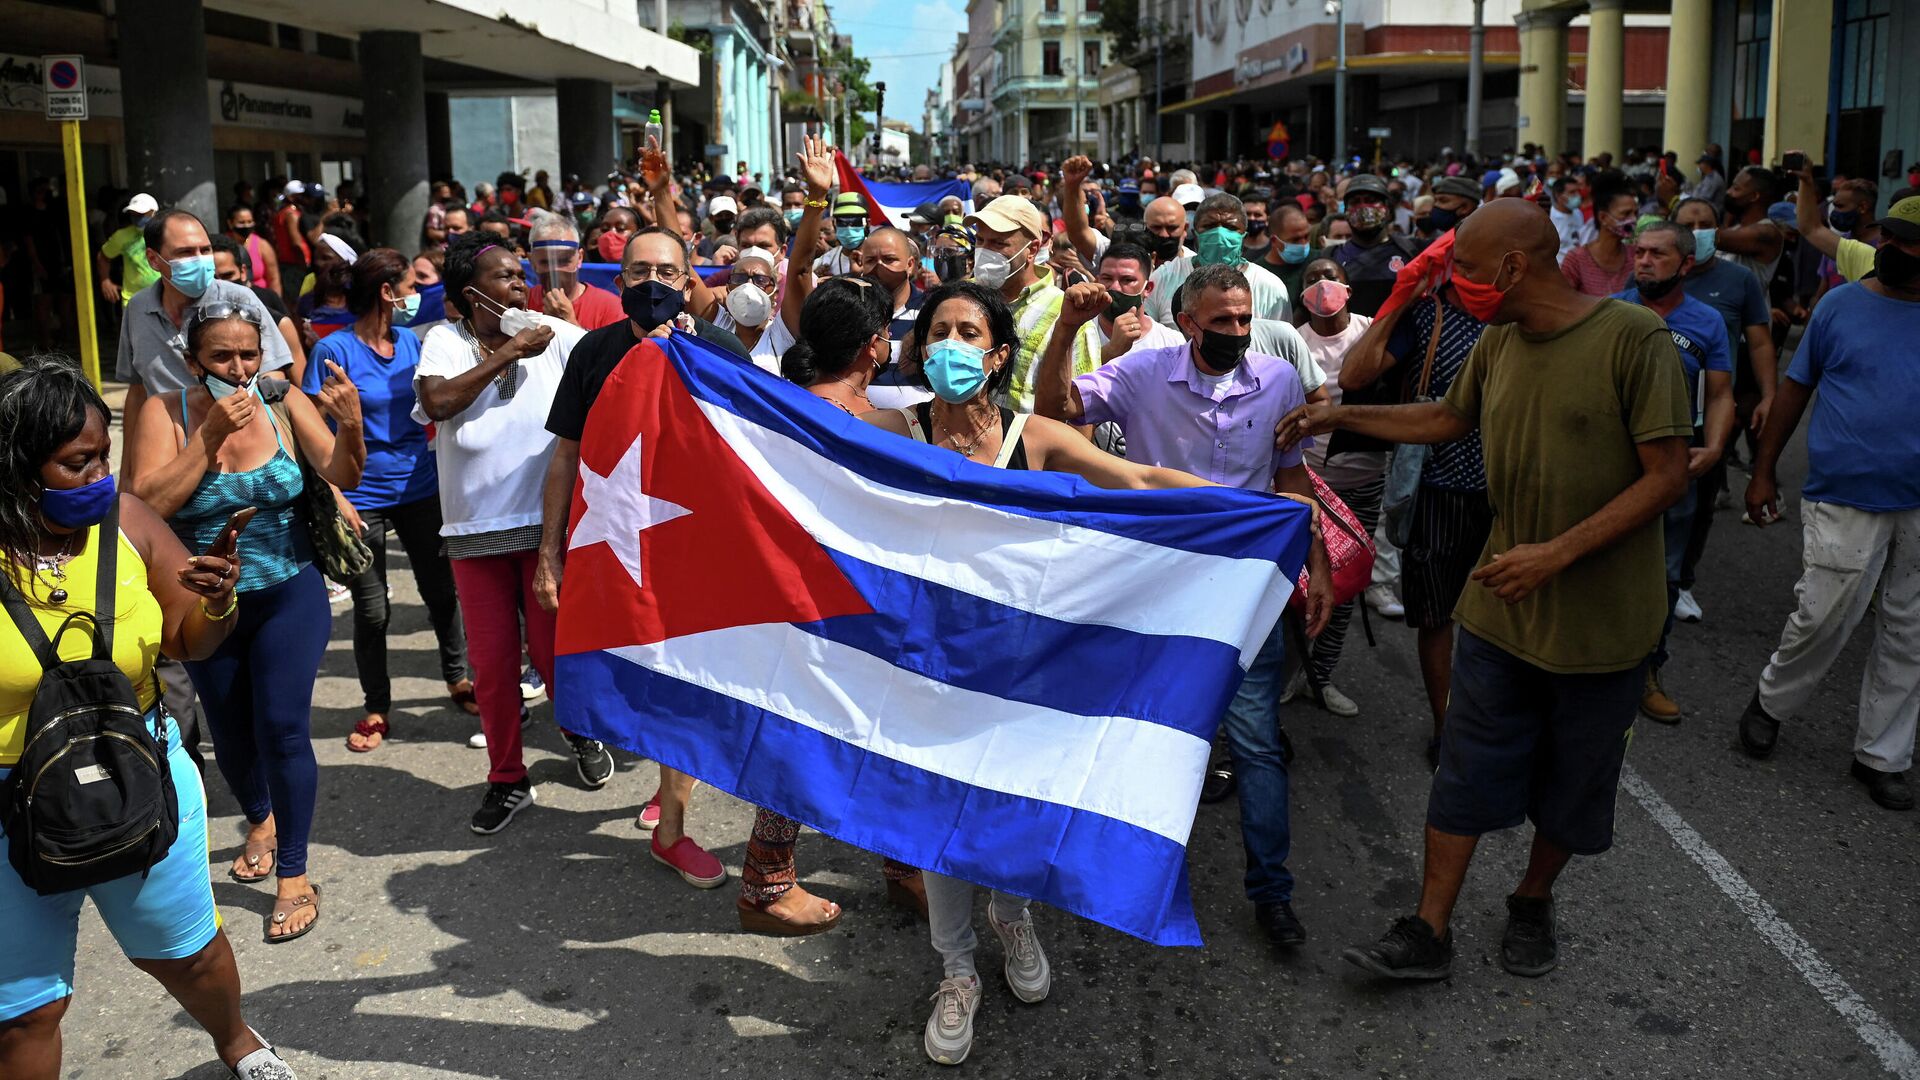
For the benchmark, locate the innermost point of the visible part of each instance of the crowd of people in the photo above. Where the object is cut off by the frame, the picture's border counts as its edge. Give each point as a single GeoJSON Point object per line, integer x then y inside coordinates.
{"type": "Point", "coordinates": [1514, 387]}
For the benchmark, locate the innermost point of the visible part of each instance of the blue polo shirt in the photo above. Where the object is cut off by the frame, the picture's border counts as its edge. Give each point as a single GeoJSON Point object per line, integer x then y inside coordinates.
{"type": "Point", "coordinates": [400, 467]}
{"type": "Point", "coordinates": [1734, 292]}
{"type": "Point", "coordinates": [1863, 447]}
{"type": "Point", "coordinates": [1701, 336]}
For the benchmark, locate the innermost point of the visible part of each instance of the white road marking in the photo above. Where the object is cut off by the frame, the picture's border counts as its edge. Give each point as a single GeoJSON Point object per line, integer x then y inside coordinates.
{"type": "Point", "coordinates": [1888, 1045]}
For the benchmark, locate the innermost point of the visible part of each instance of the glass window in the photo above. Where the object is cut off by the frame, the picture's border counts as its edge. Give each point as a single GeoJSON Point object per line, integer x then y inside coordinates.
{"type": "Point", "coordinates": [1090, 58]}
{"type": "Point", "coordinates": [1049, 58]}
{"type": "Point", "coordinates": [1863, 54]}
{"type": "Point", "coordinates": [1753, 32]}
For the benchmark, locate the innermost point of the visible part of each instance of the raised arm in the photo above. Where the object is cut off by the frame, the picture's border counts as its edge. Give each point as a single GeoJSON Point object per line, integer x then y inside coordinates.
{"type": "Point", "coordinates": [1806, 216]}
{"type": "Point", "coordinates": [816, 164]}
{"type": "Point", "coordinates": [1054, 394]}
{"type": "Point", "coordinates": [658, 173]}
{"type": "Point", "coordinates": [1073, 207]}
{"type": "Point", "coordinates": [339, 455]}
{"type": "Point", "coordinates": [164, 474]}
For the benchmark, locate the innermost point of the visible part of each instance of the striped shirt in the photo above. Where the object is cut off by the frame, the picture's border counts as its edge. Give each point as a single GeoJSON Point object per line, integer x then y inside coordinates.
{"type": "Point", "coordinates": [1035, 311]}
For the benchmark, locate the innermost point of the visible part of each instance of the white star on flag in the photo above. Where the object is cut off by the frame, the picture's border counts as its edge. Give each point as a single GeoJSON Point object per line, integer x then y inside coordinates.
{"type": "Point", "coordinates": [618, 511]}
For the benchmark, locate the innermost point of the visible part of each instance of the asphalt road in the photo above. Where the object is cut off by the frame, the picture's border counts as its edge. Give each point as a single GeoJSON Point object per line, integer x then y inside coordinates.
{"type": "Point", "coordinates": [1754, 919]}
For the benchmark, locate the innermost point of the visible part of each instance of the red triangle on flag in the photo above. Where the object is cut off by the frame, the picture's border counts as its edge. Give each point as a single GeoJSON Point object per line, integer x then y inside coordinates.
{"type": "Point", "coordinates": [714, 547]}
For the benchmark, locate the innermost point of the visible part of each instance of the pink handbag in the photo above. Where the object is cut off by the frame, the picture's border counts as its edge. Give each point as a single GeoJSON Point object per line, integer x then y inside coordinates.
{"type": "Point", "coordinates": [1349, 548]}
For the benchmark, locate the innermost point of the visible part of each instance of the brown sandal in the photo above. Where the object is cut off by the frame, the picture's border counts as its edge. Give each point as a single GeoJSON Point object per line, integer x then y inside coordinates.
{"type": "Point", "coordinates": [284, 908]}
{"type": "Point", "coordinates": [369, 727]}
{"type": "Point", "coordinates": [910, 894]}
{"type": "Point", "coordinates": [756, 918]}
{"type": "Point", "coordinates": [253, 862]}
{"type": "Point", "coordinates": [461, 694]}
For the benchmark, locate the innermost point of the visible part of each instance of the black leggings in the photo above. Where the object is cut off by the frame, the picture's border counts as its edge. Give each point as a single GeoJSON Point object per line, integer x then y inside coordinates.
{"type": "Point", "coordinates": [417, 524]}
{"type": "Point", "coordinates": [1364, 501]}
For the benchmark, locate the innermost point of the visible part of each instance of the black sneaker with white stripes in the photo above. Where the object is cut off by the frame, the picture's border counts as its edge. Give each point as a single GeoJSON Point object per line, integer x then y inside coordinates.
{"type": "Point", "coordinates": [499, 804]}
{"type": "Point", "coordinates": [591, 760]}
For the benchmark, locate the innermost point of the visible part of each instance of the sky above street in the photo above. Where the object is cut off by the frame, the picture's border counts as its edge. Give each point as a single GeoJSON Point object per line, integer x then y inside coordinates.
{"type": "Point", "coordinates": [906, 41]}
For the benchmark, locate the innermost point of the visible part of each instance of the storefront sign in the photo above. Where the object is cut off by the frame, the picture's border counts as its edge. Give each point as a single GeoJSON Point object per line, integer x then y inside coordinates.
{"type": "Point", "coordinates": [24, 81]}
{"type": "Point", "coordinates": [23, 85]}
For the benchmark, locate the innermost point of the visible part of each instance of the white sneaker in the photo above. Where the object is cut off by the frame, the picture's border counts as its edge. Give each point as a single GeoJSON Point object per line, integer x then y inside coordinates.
{"type": "Point", "coordinates": [950, 1029]}
{"type": "Point", "coordinates": [1027, 970]}
{"type": "Point", "coordinates": [263, 1064]}
{"type": "Point", "coordinates": [338, 593]}
{"type": "Point", "coordinates": [1294, 686]}
{"type": "Point", "coordinates": [477, 740]}
{"type": "Point", "coordinates": [1381, 599]}
{"type": "Point", "coordinates": [1686, 608]}
{"type": "Point", "coordinates": [1336, 702]}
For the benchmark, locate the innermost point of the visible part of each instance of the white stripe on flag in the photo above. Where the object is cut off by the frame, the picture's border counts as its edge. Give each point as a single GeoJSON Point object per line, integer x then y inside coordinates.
{"type": "Point", "coordinates": [1144, 774]}
{"type": "Point", "coordinates": [1049, 568]}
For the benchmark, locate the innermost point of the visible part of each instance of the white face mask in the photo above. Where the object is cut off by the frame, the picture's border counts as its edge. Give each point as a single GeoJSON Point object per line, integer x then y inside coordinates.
{"type": "Point", "coordinates": [749, 305]}
{"type": "Point", "coordinates": [513, 320]}
{"type": "Point", "coordinates": [992, 269]}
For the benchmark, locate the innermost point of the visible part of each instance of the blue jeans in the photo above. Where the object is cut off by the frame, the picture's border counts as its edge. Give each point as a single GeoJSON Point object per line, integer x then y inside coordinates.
{"type": "Point", "coordinates": [1253, 741]}
{"type": "Point", "coordinates": [1679, 532]}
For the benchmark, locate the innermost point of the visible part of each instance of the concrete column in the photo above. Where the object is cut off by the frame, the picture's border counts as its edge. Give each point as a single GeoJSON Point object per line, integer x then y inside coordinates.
{"type": "Point", "coordinates": [1020, 149]}
{"type": "Point", "coordinates": [1689, 60]}
{"type": "Point", "coordinates": [1797, 79]}
{"type": "Point", "coordinates": [439, 136]}
{"type": "Point", "coordinates": [395, 93]}
{"type": "Point", "coordinates": [1606, 79]}
{"type": "Point", "coordinates": [1543, 78]}
{"type": "Point", "coordinates": [586, 127]}
{"type": "Point", "coordinates": [169, 128]}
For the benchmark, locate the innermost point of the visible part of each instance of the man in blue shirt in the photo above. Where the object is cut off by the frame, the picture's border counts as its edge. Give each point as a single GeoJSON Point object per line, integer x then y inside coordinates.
{"type": "Point", "coordinates": [1861, 508]}
{"type": "Point", "coordinates": [1663, 254]}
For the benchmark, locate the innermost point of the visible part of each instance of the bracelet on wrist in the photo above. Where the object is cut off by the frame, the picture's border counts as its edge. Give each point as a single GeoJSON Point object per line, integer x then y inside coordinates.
{"type": "Point", "coordinates": [817, 204]}
{"type": "Point", "coordinates": [233, 603]}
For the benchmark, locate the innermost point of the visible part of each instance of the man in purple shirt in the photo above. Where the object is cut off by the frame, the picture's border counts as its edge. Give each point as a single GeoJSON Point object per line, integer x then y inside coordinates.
{"type": "Point", "coordinates": [1208, 407]}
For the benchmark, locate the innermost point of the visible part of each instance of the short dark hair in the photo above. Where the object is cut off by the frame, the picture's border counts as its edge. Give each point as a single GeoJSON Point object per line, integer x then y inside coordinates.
{"type": "Point", "coordinates": [1125, 251]}
{"type": "Point", "coordinates": [1562, 183]}
{"type": "Point", "coordinates": [1000, 326]}
{"type": "Point", "coordinates": [1217, 276]}
{"type": "Point", "coordinates": [1763, 179]}
{"type": "Point", "coordinates": [759, 218]}
{"type": "Point", "coordinates": [222, 243]}
{"type": "Point", "coordinates": [155, 231]}
{"type": "Point", "coordinates": [381, 266]}
{"type": "Point", "coordinates": [840, 316]}
{"type": "Point", "coordinates": [679, 242]}
{"type": "Point", "coordinates": [459, 269]}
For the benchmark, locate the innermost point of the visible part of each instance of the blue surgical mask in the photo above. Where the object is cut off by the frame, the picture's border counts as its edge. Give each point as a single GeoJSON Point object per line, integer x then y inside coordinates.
{"type": "Point", "coordinates": [850, 236]}
{"type": "Point", "coordinates": [405, 309]}
{"type": "Point", "coordinates": [792, 214]}
{"type": "Point", "coordinates": [1295, 254]}
{"type": "Point", "coordinates": [1703, 244]}
{"type": "Point", "coordinates": [1573, 202]}
{"type": "Point", "coordinates": [221, 388]}
{"type": "Point", "coordinates": [77, 508]}
{"type": "Point", "coordinates": [192, 275]}
{"type": "Point", "coordinates": [956, 370]}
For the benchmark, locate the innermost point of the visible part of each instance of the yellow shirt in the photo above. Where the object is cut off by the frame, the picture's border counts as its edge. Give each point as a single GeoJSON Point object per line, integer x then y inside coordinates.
{"type": "Point", "coordinates": [1854, 260]}
{"type": "Point", "coordinates": [136, 635]}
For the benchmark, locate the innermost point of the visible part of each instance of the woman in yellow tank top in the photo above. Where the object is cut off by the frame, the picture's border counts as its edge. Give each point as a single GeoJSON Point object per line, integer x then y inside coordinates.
{"type": "Point", "coordinates": [55, 489]}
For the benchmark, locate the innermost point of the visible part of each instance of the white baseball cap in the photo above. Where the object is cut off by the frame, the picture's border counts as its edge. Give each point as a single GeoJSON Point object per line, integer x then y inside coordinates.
{"type": "Point", "coordinates": [1188, 195]}
{"type": "Point", "coordinates": [142, 204]}
{"type": "Point", "coordinates": [722, 204]}
{"type": "Point", "coordinates": [294, 187]}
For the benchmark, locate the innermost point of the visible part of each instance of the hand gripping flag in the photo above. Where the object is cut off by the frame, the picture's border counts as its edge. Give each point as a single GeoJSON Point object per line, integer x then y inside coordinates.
{"type": "Point", "coordinates": [1008, 677]}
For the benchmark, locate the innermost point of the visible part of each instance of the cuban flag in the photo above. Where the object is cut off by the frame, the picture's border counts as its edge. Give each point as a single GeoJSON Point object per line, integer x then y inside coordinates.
{"type": "Point", "coordinates": [890, 203]}
{"type": "Point", "coordinates": [1008, 677]}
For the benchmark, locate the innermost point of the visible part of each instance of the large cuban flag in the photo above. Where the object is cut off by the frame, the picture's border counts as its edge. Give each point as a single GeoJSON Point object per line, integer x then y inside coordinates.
{"type": "Point", "coordinates": [889, 203]}
{"type": "Point", "coordinates": [1008, 677]}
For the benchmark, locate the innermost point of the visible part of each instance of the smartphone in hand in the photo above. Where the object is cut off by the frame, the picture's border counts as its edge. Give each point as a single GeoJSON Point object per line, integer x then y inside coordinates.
{"type": "Point", "coordinates": [228, 541]}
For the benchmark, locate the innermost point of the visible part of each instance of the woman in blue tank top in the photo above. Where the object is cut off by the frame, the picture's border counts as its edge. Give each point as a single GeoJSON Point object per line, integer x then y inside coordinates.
{"type": "Point", "coordinates": [196, 457]}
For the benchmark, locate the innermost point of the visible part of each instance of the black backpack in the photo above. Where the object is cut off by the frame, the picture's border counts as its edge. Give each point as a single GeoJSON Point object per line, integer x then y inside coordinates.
{"type": "Point", "coordinates": [91, 798]}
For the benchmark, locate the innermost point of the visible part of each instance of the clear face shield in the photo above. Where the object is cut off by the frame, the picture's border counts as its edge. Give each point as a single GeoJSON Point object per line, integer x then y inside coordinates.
{"type": "Point", "coordinates": [556, 263]}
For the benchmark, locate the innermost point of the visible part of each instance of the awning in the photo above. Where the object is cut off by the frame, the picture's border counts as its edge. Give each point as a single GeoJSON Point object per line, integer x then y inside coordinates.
{"type": "Point", "coordinates": [568, 41]}
{"type": "Point", "coordinates": [1436, 64]}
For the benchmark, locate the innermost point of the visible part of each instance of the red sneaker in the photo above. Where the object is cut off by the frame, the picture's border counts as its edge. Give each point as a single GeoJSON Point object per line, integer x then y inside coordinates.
{"type": "Point", "coordinates": [692, 862]}
{"type": "Point", "coordinates": [649, 815]}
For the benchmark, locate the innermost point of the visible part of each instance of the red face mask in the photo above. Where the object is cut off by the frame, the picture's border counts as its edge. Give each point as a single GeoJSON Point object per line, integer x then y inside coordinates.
{"type": "Point", "coordinates": [1481, 300]}
{"type": "Point", "coordinates": [509, 196]}
{"type": "Point", "coordinates": [611, 245]}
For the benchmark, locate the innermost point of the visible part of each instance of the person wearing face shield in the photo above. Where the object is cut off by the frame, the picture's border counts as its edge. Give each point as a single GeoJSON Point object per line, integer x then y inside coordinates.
{"type": "Point", "coordinates": [1570, 594]}
{"type": "Point", "coordinates": [556, 256]}
{"type": "Point", "coordinates": [1008, 232]}
{"type": "Point", "coordinates": [1213, 383]}
{"type": "Point", "coordinates": [1220, 228]}
{"type": "Point", "coordinates": [656, 285]}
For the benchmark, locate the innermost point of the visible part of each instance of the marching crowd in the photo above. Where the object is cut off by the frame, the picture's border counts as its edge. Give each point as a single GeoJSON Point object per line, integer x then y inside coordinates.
{"type": "Point", "coordinates": [1511, 390]}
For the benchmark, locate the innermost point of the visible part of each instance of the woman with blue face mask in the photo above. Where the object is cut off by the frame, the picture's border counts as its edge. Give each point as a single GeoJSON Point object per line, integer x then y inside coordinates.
{"type": "Point", "coordinates": [962, 346]}
{"type": "Point", "coordinates": [399, 491]}
{"type": "Point", "coordinates": [199, 455]}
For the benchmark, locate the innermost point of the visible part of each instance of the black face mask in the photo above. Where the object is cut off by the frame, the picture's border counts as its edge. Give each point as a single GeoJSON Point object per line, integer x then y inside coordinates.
{"type": "Point", "coordinates": [1123, 303]}
{"type": "Point", "coordinates": [651, 303]}
{"type": "Point", "coordinates": [1441, 220]}
{"type": "Point", "coordinates": [1655, 290]}
{"type": "Point", "coordinates": [1163, 247]}
{"type": "Point", "coordinates": [1844, 220]}
{"type": "Point", "coordinates": [1223, 352]}
{"type": "Point", "coordinates": [1896, 268]}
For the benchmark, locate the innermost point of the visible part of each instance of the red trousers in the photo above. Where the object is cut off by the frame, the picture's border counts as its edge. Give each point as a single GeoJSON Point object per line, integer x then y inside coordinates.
{"type": "Point", "coordinates": [496, 593]}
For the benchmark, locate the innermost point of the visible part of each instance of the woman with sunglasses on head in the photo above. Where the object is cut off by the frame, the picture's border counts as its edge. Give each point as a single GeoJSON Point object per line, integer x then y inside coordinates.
{"type": "Point", "coordinates": [56, 494]}
{"type": "Point", "coordinates": [226, 444]}
{"type": "Point", "coordinates": [399, 491]}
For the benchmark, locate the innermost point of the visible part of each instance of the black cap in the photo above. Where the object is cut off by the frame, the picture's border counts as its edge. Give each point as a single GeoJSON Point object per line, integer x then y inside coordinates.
{"type": "Point", "coordinates": [1457, 185]}
{"type": "Point", "coordinates": [926, 214]}
{"type": "Point", "coordinates": [1367, 182]}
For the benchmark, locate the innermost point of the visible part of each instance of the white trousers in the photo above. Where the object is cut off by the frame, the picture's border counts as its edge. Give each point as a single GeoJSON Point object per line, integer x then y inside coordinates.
{"type": "Point", "coordinates": [1848, 553]}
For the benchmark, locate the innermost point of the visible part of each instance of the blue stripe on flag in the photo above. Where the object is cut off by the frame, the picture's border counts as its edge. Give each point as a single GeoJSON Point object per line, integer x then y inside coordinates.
{"type": "Point", "coordinates": [1212, 521]}
{"type": "Point", "coordinates": [906, 196]}
{"type": "Point", "coordinates": [976, 644]}
{"type": "Point", "coordinates": [1118, 874]}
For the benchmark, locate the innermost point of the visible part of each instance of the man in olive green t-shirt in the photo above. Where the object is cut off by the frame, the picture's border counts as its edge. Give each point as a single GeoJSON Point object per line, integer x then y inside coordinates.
{"type": "Point", "coordinates": [1584, 417]}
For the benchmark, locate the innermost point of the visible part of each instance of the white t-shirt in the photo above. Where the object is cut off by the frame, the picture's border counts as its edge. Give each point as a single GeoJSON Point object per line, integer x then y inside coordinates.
{"type": "Point", "coordinates": [773, 343]}
{"type": "Point", "coordinates": [1353, 469]}
{"type": "Point", "coordinates": [1573, 227]}
{"type": "Point", "coordinates": [1157, 336]}
{"type": "Point", "coordinates": [1270, 300]}
{"type": "Point", "coordinates": [493, 456]}
{"type": "Point", "coordinates": [1271, 337]}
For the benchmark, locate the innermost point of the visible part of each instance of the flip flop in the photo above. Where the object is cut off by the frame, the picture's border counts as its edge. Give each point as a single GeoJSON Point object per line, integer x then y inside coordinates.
{"type": "Point", "coordinates": [368, 729]}
{"type": "Point", "coordinates": [756, 919]}
{"type": "Point", "coordinates": [253, 863]}
{"type": "Point", "coordinates": [279, 917]}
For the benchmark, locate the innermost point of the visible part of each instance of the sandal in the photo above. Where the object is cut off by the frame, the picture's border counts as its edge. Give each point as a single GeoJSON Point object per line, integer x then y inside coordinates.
{"type": "Point", "coordinates": [909, 894]}
{"type": "Point", "coordinates": [265, 851]}
{"type": "Point", "coordinates": [263, 1064]}
{"type": "Point", "coordinates": [461, 694]}
{"type": "Point", "coordinates": [284, 908]}
{"type": "Point", "coordinates": [757, 918]}
{"type": "Point", "coordinates": [370, 728]}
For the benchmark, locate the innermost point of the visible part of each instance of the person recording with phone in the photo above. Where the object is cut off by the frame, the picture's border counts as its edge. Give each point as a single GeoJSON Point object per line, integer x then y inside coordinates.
{"type": "Point", "coordinates": [227, 443]}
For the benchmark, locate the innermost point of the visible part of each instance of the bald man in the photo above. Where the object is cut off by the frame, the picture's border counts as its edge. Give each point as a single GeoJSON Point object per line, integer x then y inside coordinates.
{"type": "Point", "coordinates": [1166, 223]}
{"type": "Point", "coordinates": [1584, 421]}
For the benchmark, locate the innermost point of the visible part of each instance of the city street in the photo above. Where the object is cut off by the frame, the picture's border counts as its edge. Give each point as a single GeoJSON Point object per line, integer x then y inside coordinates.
{"type": "Point", "coordinates": [1755, 919]}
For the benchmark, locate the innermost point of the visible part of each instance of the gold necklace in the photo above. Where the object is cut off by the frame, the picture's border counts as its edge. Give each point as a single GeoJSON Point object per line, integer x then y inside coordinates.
{"type": "Point", "coordinates": [966, 449]}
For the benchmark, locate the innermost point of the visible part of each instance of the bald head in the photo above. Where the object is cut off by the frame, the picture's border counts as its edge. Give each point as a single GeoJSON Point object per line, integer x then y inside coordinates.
{"type": "Point", "coordinates": [1164, 217]}
{"type": "Point", "coordinates": [1510, 244]}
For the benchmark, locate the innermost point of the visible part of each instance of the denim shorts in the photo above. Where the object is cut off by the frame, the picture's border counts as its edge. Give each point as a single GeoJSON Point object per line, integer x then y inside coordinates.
{"type": "Point", "coordinates": [167, 915]}
{"type": "Point", "coordinates": [1523, 743]}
